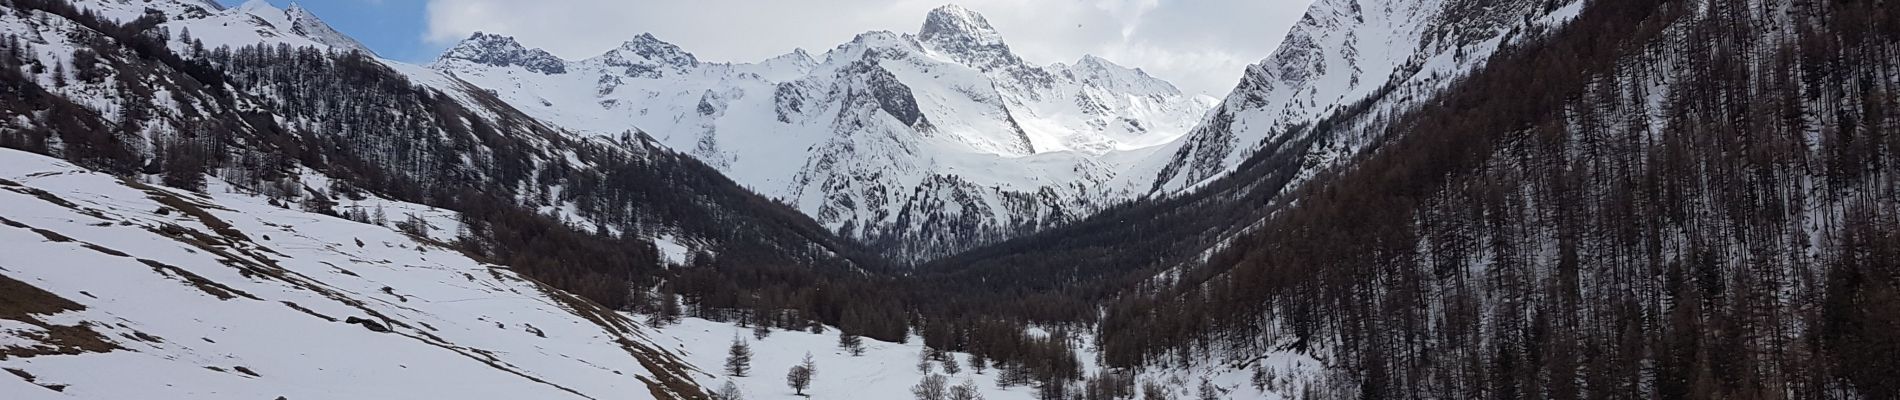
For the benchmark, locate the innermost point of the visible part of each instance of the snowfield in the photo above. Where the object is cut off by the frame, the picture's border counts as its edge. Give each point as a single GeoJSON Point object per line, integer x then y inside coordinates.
{"type": "Point", "coordinates": [119, 290]}
{"type": "Point", "coordinates": [888, 370]}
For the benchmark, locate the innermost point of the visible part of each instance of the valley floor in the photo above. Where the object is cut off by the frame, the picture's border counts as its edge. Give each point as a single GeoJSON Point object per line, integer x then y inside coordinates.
{"type": "Point", "coordinates": [889, 370]}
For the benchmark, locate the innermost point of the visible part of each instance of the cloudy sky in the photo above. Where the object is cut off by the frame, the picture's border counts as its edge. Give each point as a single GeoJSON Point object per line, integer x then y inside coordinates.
{"type": "Point", "coordinates": [1200, 45]}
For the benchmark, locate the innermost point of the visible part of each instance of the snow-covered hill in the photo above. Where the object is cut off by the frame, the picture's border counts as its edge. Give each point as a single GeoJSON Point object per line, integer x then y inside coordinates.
{"type": "Point", "coordinates": [253, 22]}
{"type": "Point", "coordinates": [116, 289]}
{"type": "Point", "coordinates": [921, 143]}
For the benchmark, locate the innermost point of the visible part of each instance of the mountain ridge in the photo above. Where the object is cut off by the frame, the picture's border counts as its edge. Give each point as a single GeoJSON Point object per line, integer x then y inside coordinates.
{"type": "Point", "coordinates": [994, 146]}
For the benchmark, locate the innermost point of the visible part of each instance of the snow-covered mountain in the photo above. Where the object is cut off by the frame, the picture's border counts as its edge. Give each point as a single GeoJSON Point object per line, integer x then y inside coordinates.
{"type": "Point", "coordinates": [112, 288]}
{"type": "Point", "coordinates": [1383, 54]}
{"type": "Point", "coordinates": [535, 142]}
{"type": "Point", "coordinates": [920, 143]}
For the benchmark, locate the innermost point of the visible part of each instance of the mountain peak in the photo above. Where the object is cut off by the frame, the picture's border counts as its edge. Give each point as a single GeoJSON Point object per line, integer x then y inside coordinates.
{"type": "Point", "coordinates": [253, 6]}
{"type": "Point", "coordinates": [299, 21]}
{"type": "Point", "coordinates": [968, 38]}
{"type": "Point", "coordinates": [1100, 72]}
{"type": "Point", "coordinates": [953, 22]}
{"type": "Point", "coordinates": [658, 51]}
{"type": "Point", "coordinates": [503, 51]}
{"type": "Point", "coordinates": [1095, 62]}
{"type": "Point", "coordinates": [797, 57]}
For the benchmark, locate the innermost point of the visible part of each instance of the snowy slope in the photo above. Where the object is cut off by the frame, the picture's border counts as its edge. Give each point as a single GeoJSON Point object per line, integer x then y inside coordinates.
{"type": "Point", "coordinates": [1343, 52]}
{"type": "Point", "coordinates": [253, 22]}
{"type": "Point", "coordinates": [929, 142]}
{"type": "Point", "coordinates": [116, 290]}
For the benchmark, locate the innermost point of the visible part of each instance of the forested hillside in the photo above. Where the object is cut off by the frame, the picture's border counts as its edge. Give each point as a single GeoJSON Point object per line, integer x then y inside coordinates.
{"type": "Point", "coordinates": [1697, 201]}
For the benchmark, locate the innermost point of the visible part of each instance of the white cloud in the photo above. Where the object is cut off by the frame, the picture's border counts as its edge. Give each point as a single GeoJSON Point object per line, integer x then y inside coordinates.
{"type": "Point", "coordinates": [1200, 45]}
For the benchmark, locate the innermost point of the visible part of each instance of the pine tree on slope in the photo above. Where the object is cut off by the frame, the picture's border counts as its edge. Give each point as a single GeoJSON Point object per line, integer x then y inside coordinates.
{"type": "Point", "coordinates": [738, 358]}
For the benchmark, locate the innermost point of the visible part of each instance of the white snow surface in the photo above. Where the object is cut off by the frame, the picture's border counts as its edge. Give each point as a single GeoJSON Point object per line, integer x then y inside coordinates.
{"type": "Point", "coordinates": [888, 370]}
{"type": "Point", "coordinates": [885, 371]}
{"type": "Point", "coordinates": [188, 308]}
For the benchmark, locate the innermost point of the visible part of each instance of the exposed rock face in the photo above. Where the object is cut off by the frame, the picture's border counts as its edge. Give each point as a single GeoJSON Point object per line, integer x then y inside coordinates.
{"type": "Point", "coordinates": [967, 38]}
{"type": "Point", "coordinates": [504, 51]}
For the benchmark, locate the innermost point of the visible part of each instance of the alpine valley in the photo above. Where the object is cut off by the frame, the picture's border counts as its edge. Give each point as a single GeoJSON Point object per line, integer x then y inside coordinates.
{"type": "Point", "coordinates": [1407, 199]}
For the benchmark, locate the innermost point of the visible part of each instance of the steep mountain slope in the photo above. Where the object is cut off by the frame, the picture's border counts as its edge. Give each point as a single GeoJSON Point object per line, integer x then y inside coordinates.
{"type": "Point", "coordinates": [920, 144]}
{"type": "Point", "coordinates": [1384, 54]}
{"type": "Point", "coordinates": [120, 289]}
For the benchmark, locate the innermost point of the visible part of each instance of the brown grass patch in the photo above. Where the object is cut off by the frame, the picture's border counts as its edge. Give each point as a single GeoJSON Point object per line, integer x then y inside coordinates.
{"type": "Point", "coordinates": [208, 286]}
{"type": "Point", "coordinates": [20, 301]}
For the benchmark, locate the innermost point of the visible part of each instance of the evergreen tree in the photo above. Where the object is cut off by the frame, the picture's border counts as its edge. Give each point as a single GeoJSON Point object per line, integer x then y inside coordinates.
{"type": "Point", "coordinates": [1154, 391]}
{"type": "Point", "coordinates": [759, 328]}
{"type": "Point", "coordinates": [738, 358]}
{"type": "Point", "coordinates": [950, 365]}
{"type": "Point", "coordinates": [668, 311]}
{"type": "Point", "coordinates": [1260, 378]}
{"type": "Point", "coordinates": [852, 344]}
{"type": "Point", "coordinates": [1207, 391]}
{"type": "Point", "coordinates": [1054, 389]}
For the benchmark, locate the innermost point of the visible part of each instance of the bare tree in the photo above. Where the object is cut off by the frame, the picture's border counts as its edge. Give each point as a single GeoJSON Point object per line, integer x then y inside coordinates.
{"type": "Point", "coordinates": [965, 391]}
{"type": "Point", "coordinates": [933, 387]}
{"type": "Point", "coordinates": [728, 391]}
{"type": "Point", "coordinates": [800, 376]}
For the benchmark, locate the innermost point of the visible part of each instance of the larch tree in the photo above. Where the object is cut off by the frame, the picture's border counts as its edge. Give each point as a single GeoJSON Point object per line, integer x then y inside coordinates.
{"type": "Point", "coordinates": [738, 358]}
